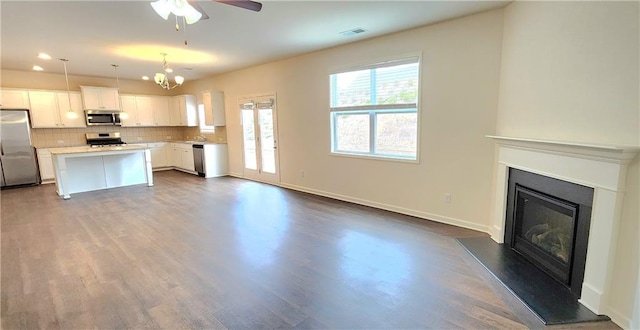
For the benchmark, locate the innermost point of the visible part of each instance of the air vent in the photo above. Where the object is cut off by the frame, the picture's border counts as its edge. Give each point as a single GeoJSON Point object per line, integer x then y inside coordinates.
{"type": "Point", "coordinates": [352, 32]}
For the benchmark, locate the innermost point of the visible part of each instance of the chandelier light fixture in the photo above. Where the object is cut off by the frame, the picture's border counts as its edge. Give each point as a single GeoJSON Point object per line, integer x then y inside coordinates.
{"type": "Point", "coordinates": [162, 78]}
{"type": "Point", "coordinates": [70, 113]}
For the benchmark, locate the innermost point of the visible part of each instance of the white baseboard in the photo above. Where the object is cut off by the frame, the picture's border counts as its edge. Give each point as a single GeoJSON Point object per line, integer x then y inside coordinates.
{"type": "Point", "coordinates": [619, 319]}
{"type": "Point", "coordinates": [392, 208]}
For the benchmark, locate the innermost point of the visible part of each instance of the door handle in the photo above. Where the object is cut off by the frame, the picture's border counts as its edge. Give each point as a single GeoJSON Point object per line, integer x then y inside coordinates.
{"type": "Point", "coordinates": [1, 149]}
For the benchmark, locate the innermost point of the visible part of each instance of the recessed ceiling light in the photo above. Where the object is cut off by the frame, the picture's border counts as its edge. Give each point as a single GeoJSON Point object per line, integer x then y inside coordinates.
{"type": "Point", "coordinates": [44, 56]}
{"type": "Point", "coordinates": [351, 32]}
{"type": "Point", "coordinates": [37, 68]}
{"type": "Point", "coordinates": [145, 77]}
{"type": "Point", "coordinates": [169, 70]}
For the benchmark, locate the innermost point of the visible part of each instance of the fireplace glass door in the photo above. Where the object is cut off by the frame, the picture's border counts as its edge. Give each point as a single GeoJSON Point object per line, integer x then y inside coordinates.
{"type": "Point", "coordinates": [544, 231]}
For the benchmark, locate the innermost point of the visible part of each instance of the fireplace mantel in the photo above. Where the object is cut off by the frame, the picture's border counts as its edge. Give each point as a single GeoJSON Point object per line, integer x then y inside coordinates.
{"type": "Point", "coordinates": [613, 153]}
{"type": "Point", "coordinates": [601, 167]}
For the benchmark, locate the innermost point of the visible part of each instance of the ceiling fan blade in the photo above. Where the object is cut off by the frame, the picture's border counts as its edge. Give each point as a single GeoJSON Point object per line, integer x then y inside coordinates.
{"type": "Point", "coordinates": [246, 4]}
{"type": "Point", "coordinates": [197, 7]}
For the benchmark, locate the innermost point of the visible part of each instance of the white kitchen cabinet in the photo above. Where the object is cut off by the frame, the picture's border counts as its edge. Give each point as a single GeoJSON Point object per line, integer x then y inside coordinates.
{"type": "Point", "coordinates": [46, 165]}
{"type": "Point", "coordinates": [49, 109]}
{"type": "Point", "coordinates": [100, 98]}
{"type": "Point", "coordinates": [174, 156]}
{"type": "Point", "coordinates": [75, 106]}
{"type": "Point", "coordinates": [14, 99]}
{"type": "Point", "coordinates": [141, 110]}
{"type": "Point", "coordinates": [181, 156]}
{"type": "Point", "coordinates": [158, 155]}
{"type": "Point", "coordinates": [160, 109]}
{"type": "Point", "coordinates": [128, 107]}
{"type": "Point", "coordinates": [44, 109]}
{"type": "Point", "coordinates": [213, 102]}
{"type": "Point", "coordinates": [216, 160]}
{"type": "Point", "coordinates": [187, 159]}
{"type": "Point", "coordinates": [183, 110]}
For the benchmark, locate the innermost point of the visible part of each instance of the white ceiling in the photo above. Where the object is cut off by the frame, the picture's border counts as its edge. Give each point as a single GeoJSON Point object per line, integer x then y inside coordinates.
{"type": "Point", "coordinates": [94, 34]}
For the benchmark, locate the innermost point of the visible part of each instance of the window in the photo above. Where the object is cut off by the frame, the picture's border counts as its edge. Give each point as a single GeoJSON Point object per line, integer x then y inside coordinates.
{"type": "Point", "coordinates": [374, 110]}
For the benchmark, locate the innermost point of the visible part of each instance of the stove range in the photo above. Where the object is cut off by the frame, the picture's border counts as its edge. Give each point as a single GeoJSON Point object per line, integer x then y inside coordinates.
{"type": "Point", "coordinates": [98, 140]}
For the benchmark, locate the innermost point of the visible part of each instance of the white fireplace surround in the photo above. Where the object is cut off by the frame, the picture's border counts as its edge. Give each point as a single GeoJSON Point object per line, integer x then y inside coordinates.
{"type": "Point", "coordinates": [601, 167]}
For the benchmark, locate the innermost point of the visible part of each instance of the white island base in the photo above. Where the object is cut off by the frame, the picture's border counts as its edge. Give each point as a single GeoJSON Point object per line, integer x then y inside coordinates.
{"type": "Point", "coordinates": [83, 169]}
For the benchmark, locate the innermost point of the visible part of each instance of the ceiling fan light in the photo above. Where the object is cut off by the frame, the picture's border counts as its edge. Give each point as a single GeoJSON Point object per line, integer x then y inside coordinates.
{"type": "Point", "coordinates": [191, 15]}
{"type": "Point", "coordinates": [162, 8]}
{"type": "Point", "coordinates": [159, 78]}
{"type": "Point", "coordinates": [179, 80]}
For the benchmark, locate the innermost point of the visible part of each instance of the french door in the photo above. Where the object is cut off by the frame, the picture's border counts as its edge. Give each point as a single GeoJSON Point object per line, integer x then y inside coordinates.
{"type": "Point", "coordinates": [259, 134]}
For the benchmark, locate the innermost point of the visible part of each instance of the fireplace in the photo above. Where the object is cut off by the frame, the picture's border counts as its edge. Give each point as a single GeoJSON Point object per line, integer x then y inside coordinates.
{"type": "Point", "coordinates": [547, 222]}
{"type": "Point", "coordinates": [603, 169]}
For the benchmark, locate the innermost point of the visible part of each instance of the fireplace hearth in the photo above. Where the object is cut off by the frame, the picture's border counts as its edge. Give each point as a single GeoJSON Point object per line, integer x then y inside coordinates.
{"type": "Point", "coordinates": [547, 222]}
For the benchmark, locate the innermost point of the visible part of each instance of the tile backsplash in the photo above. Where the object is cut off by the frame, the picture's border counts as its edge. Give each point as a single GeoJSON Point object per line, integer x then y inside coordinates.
{"type": "Point", "coordinates": [69, 137]}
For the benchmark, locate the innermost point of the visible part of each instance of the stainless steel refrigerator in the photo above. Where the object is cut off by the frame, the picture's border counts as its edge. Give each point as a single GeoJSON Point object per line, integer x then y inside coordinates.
{"type": "Point", "coordinates": [17, 157]}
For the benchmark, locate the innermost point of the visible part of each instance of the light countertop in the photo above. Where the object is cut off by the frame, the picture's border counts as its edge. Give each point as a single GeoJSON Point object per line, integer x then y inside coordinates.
{"type": "Point", "coordinates": [87, 149]}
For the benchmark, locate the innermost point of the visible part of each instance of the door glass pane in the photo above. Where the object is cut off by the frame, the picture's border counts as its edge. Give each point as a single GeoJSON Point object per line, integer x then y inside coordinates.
{"type": "Point", "coordinates": [249, 138]}
{"type": "Point", "coordinates": [352, 132]}
{"type": "Point", "coordinates": [397, 134]}
{"type": "Point", "coordinates": [267, 143]}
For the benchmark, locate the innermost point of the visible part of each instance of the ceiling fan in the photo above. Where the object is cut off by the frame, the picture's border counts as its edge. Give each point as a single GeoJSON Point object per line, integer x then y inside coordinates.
{"type": "Point", "coordinates": [191, 10]}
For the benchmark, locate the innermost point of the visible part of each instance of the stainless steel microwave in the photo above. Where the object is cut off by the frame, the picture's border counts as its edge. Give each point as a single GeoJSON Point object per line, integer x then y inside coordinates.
{"type": "Point", "coordinates": [103, 117]}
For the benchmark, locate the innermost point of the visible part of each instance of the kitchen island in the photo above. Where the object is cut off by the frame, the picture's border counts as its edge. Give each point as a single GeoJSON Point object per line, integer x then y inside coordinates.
{"type": "Point", "coordinates": [80, 169]}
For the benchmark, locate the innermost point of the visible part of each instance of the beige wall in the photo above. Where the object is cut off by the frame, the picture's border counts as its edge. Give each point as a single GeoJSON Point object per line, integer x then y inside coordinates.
{"type": "Point", "coordinates": [459, 92]}
{"type": "Point", "coordinates": [54, 81]}
{"type": "Point", "coordinates": [570, 72]}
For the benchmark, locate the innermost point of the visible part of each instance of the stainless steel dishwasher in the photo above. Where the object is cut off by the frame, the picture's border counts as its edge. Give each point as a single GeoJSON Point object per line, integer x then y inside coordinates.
{"type": "Point", "coordinates": [198, 159]}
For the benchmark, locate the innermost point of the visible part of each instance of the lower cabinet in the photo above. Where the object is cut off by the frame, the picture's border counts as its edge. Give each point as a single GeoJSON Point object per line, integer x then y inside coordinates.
{"type": "Point", "coordinates": [46, 165]}
{"type": "Point", "coordinates": [158, 155]}
{"type": "Point", "coordinates": [181, 156]}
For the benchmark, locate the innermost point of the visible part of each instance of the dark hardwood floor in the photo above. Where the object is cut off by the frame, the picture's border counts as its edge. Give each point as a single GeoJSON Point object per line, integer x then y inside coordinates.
{"type": "Point", "coordinates": [230, 253]}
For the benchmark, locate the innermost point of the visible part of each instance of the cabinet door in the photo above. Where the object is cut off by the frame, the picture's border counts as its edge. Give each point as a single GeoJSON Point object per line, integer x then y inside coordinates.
{"type": "Point", "coordinates": [158, 157]}
{"type": "Point", "coordinates": [144, 111]}
{"type": "Point", "coordinates": [187, 160]}
{"type": "Point", "coordinates": [160, 107]}
{"type": "Point", "coordinates": [44, 110]}
{"type": "Point", "coordinates": [75, 106]}
{"type": "Point", "coordinates": [46, 165]}
{"type": "Point", "coordinates": [91, 98]}
{"type": "Point", "coordinates": [109, 98]}
{"type": "Point", "coordinates": [11, 99]}
{"type": "Point", "coordinates": [174, 111]}
{"type": "Point", "coordinates": [213, 102]}
{"type": "Point", "coordinates": [175, 157]}
{"type": "Point", "coordinates": [189, 110]}
{"type": "Point", "coordinates": [129, 107]}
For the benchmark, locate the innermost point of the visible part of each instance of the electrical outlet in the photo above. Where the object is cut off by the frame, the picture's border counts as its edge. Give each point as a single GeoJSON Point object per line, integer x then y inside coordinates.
{"type": "Point", "coordinates": [447, 198]}
{"type": "Point", "coordinates": [302, 174]}
{"type": "Point", "coordinates": [168, 137]}
{"type": "Point", "coordinates": [139, 138]}
{"type": "Point", "coordinates": [60, 141]}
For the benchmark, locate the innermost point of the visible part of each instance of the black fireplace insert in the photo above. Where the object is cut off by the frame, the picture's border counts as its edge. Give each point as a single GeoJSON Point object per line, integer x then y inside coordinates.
{"type": "Point", "coordinates": [548, 224]}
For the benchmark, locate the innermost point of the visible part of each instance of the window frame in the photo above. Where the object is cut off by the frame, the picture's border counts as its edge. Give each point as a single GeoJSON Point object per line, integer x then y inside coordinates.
{"type": "Point", "coordinates": [374, 109]}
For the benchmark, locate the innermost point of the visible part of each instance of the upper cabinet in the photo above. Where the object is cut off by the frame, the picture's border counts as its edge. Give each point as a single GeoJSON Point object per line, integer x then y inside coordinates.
{"type": "Point", "coordinates": [160, 108]}
{"type": "Point", "coordinates": [100, 98]}
{"type": "Point", "coordinates": [183, 110]}
{"type": "Point", "coordinates": [50, 109]}
{"type": "Point", "coordinates": [213, 102]}
{"type": "Point", "coordinates": [14, 99]}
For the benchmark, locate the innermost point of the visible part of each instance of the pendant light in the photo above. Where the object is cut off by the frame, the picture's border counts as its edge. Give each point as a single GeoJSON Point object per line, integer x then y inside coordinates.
{"type": "Point", "coordinates": [123, 115]}
{"type": "Point", "coordinates": [70, 113]}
